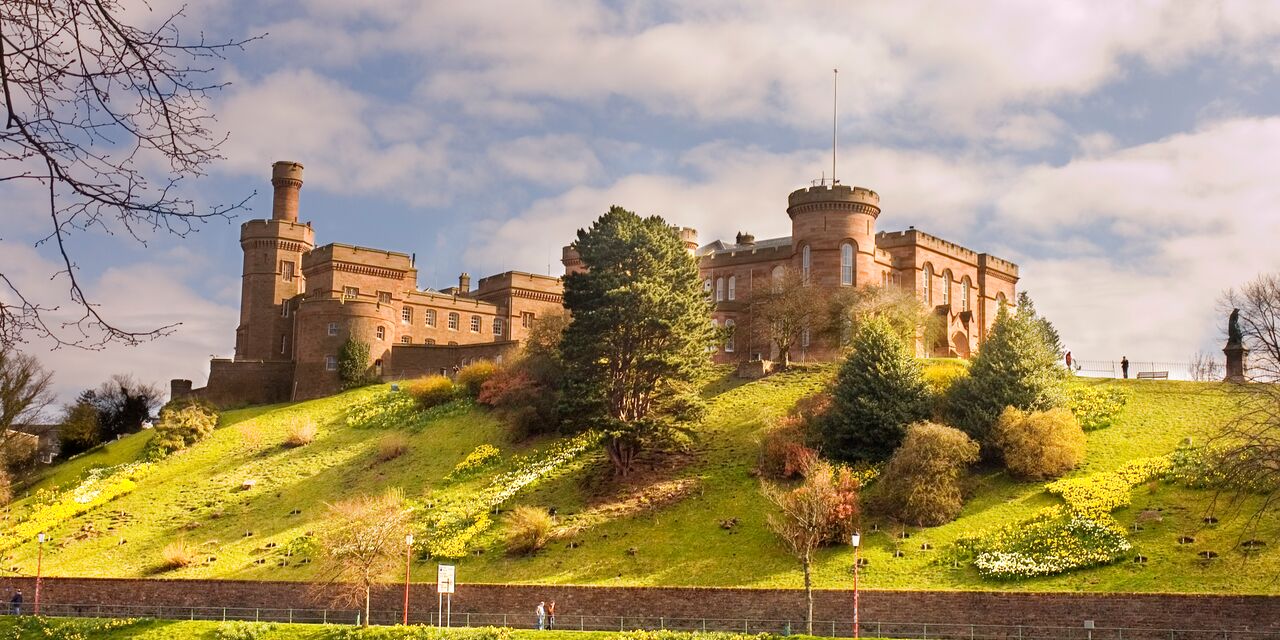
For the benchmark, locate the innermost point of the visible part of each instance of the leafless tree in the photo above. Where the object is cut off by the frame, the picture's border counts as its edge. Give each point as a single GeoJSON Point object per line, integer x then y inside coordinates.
{"type": "Point", "coordinates": [361, 546]}
{"type": "Point", "coordinates": [784, 310]}
{"type": "Point", "coordinates": [105, 118]}
{"type": "Point", "coordinates": [25, 393]}
{"type": "Point", "coordinates": [902, 308]}
{"type": "Point", "coordinates": [1205, 368]}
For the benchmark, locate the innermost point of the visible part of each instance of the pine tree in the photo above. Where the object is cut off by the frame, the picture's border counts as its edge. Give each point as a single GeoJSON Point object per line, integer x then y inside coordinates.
{"type": "Point", "coordinates": [879, 391]}
{"type": "Point", "coordinates": [639, 333]}
{"type": "Point", "coordinates": [1016, 367]}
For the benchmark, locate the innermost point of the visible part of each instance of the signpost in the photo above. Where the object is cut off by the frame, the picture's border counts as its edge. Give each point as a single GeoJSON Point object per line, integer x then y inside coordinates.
{"type": "Point", "coordinates": [444, 585]}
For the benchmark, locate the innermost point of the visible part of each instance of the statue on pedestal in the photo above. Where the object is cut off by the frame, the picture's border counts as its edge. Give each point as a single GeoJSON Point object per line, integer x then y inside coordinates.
{"type": "Point", "coordinates": [1235, 350]}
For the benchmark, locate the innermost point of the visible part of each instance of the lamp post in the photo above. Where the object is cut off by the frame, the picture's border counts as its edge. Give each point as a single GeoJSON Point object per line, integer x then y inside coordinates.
{"type": "Point", "coordinates": [39, 568]}
{"type": "Point", "coordinates": [855, 540]}
{"type": "Point", "coordinates": [408, 556]}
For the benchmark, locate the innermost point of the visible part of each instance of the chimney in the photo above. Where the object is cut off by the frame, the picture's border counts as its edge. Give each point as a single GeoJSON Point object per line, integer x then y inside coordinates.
{"type": "Point", "coordinates": [746, 238]}
{"type": "Point", "coordinates": [464, 283]}
{"type": "Point", "coordinates": [286, 178]}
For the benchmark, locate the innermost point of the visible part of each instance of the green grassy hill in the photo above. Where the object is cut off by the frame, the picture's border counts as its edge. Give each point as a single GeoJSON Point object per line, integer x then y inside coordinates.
{"type": "Point", "coordinates": [667, 525]}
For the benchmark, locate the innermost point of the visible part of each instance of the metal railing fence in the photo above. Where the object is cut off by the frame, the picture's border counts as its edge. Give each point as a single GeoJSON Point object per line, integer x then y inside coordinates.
{"type": "Point", "coordinates": [831, 628]}
{"type": "Point", "coordinates": [1175, 370]}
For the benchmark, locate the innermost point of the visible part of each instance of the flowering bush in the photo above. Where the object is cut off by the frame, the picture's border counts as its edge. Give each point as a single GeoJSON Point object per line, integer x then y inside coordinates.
{"type": "Point", "coordinates": [1054, 541]}
{"type": "Point", "coordinates": [430, 391]}
{"type": "Point", "coordinates": [99, 487]}
{"type": "Point", "coordinates": [1096, 496]}
{"type": "Point", "coordinates": [481, 457]}
{"type": "Point", "coordinates": [182, 424]}
{"type": "Point", "coordinates": [455, 523]}
{"type": "Point", "coordinates": [473, 376]}
{"type": "Point", "coordinates": [1039, 444]}
{"type": "Point", "coordinates": [1095, 406]}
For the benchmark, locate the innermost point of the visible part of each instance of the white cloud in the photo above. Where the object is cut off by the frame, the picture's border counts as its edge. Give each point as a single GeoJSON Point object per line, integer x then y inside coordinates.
{"type": "Point", "coordinates": [553, 159]}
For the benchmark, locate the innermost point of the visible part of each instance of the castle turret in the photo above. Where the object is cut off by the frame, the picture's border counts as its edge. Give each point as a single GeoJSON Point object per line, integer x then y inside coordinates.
{"type": "Point", "coordinates": [464, 283]}
{"type": "Point", "coordinates": [689, 236]}
{"type": "Point", "coordinates": [824, 219]}
{"type": "Point", "coordinates": [272, 271]}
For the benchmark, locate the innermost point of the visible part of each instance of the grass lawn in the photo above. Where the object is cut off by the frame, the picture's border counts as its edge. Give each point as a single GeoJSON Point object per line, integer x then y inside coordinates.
{"type": "Point", "coordinates": [696, 519]}
{"type": "Point", "coordinates": [57, 629]}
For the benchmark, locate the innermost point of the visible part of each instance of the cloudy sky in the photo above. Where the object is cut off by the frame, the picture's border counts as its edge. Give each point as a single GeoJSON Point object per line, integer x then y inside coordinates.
{"type": "Point", "coordinates": [1125, 154]}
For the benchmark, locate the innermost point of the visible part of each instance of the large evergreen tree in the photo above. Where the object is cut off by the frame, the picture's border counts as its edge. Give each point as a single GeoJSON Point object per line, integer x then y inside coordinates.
{"type": "Point", "coordinates": [1016, 367]}
{"type": "Point", "coordinates": [639, 334]}
{"type": "Point", "coordinates": [879, 391]}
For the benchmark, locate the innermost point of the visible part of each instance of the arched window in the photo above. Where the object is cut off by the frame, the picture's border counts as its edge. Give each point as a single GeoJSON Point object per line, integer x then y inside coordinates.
{"type": "Point", "coordinates": [719, 289]}
{"type": "Point", "coordinates": [946, 287]}
{"type": "Point", "coordinates": [706, 286]}
{"type": "Point", "coordinates": [776, 277]}
{"type": "Point", "coordinates": [1001, 302]}
{"type": "Point", "coordinates": [846, 264]}
{"type": "Point", "coordinates": [711, 348]}
{"type": "Point", "coordinates": [733, 287]}
{"type": "Point", "coordinates": [927, 285]}
{"type": "Point", "coordinates": [804, 264]}
{"type": "Point", "coordinates": [964, 294]}
{"type": "Point", "coordinates": [381, 332]}
{"type": "Point", "coordinates": [430, 315]}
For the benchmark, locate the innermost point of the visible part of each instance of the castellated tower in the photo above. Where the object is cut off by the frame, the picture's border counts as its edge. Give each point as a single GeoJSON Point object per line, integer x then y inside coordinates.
{"type": "Point", "coordinates": [827, 219]}
{"type": "Point", "coordinates": [272, 272]}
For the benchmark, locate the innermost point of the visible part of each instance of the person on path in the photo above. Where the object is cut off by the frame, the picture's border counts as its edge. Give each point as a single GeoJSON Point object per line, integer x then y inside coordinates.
{"type": "Point", "coordinates": [16, 603]}
{"type": "Point", "coordinates": [551, 615]}
{"type": "Point", "coordinates": [542, 615]}
{"type": "Point", "coordinates": [1124, 366]}
{"type": "Point", "coordinates": [1069, 362]}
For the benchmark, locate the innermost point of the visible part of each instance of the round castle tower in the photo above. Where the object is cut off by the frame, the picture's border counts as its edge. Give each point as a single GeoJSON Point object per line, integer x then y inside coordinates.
{"type": "Point", "coordinates": [826, 218]}
{"type": "Point", "coordinates": [272, 272]}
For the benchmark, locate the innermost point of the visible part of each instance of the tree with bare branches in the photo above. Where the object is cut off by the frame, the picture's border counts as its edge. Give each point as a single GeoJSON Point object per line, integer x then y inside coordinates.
{"type": "Point", "coordinates": [105, 118]}
{"type": "Point", "coordinates": [822, 510]}
{"type": "Point", "coordinates": [782, 312]}
{"type": "Point", "coordinates": [361, 547]}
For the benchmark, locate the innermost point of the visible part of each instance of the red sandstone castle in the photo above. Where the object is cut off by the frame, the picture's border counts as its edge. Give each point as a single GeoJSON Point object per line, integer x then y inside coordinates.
{"type": "Point", "coordinates": [299, 303]}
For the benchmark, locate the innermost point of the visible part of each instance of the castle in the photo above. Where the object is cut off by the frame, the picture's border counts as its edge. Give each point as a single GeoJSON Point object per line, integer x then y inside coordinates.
{"type": "Point", "coordinates": [299, 302]}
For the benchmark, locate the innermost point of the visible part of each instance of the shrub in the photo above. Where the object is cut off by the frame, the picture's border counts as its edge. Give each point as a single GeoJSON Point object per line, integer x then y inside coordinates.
{"type": "Point", "coordinates": [1040, 444]}
{"type": "Point", "coordinates": [300, 432]}
{"type": "Point", "coordinates": [783, 453]}
{"type": "Point", "coordinates": [182, 423]}
{"type": "Point", "coordinates": [178, 554]}
{"type": "Point", "coordinates": [1016, 367]}
{"type": "Point", "coordinates": [878, 392]}
{"type": "Point", "coordinates": [353, 363]}
{"type": "Point", "coordinates": [473, 376]}
{"type": "Point", "coordinates": [527, 403]}
{"type": "Point", "coordinates": [80, 429]}
{"type": "Point", "coordinates": [242, 630]}
{"type": "Point", "coordinates": [1096, 406]}
{"type": "Point", "coordinates": [940, 373]}
{"type": "Point", "coordinates": [530, 529]}
{"type": "Point", "coordinates": [921, 484]}
{"type": "Point", "coordinates": [430, 391]}
{"type": "Point", "coordinates": [392, 446]}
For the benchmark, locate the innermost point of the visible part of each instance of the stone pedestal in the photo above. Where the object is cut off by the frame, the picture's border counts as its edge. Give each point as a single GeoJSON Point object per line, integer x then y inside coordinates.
{"type": "Point", "coordinates": [1236, 354]}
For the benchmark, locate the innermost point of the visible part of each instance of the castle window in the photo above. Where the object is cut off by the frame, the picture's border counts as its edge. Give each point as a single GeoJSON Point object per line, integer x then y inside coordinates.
{"type": "Point", "coordinates": [331, 363]}
{"type": "Point", "coordinates": [884, 279]}
{"type": "Point", "coordinates": [846, 264]}
{"type": "Point", "coordinates": [706, 286]}
{"type": "Point", "coordinates": [284, 345]}
{"type": "Point", "coordinates": [719, 289]}
{"type": "Point", "coordinates": [475, 324]}
{"type": "Point", "coordinates": [286, 270]}
{"type": "Point", "coordinates": [927, 285]}
{"type": "Point", "coordinates": [805, 262]}
{"type": "Point", "coordinates": [429, 341]}
{"type": "Point", "coordinates": [381, 332]}
{"type": "Point", "coordinates": [964, 294]}
{"type": "Point", "coordinates": [497, 327]}
{"type": "Point", "coordinates": [284, 308]}
{"type": "Point", "coordinates": [728, 342]}
{"type": "Point", "coordinates": [405, 340]}
{"type": "Point", "coordinates": [431, 317]}
{"type": "Point", "coordinates": [406, 315]}
{"type": "Point", "coordinates": [733, 287]}
{"type": "Point", "coordinates": [712, 348]}
{"type": "Point", "coordinates": [946, 287]}
{"type": "Point", "coordinates": [384, 297]}
{"type": "Point", "coordinates": [453, 321]}
{"type": "Point", "coordinates": [804, 337]}
{"type": "Point", "coordinates": [333, 328]}
{"type": "Point", "coordinates": [777, 275]}
{"type": "Point", "coordinates": [526, 319]}
{"type": "Point", "coordinates": [350, 293]}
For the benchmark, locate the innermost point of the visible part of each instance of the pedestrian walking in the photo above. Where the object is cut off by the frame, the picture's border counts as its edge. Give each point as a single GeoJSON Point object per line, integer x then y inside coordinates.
{"type": "Point", "coordinates": [551, 615]}
{"type": "Point", "coordinates": [15, 604]}
{"type": "Point", "coordinates": [1124, 366]}
{"type": "Point", "coordinates": [541, 610]}
{"type": "Point", "coordinates": [1069, 368]}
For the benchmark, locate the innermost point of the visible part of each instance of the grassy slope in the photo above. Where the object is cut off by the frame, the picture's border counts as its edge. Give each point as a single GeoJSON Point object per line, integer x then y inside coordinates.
{"type": "Point", "coordinates": [681, 544]}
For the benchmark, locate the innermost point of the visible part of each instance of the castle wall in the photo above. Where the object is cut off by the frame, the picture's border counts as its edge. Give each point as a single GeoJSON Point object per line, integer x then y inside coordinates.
{"type": "Point", "coordinates": [238, 383]}
{"type": "Point", "coordinates": [412, 361]}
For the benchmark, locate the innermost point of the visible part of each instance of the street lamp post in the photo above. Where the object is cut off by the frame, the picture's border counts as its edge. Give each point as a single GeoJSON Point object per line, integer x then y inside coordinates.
{"type": "Point", "coordinates": [408, 556]}
{"type": "Point", "coordinates": [855, 540]}
{"type": "Point", "coordinates": [39, 568]}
